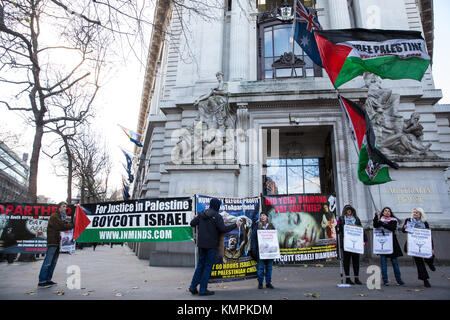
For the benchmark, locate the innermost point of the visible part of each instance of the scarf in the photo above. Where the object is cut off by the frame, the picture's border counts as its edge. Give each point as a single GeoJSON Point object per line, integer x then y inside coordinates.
{"type": "Point", "coordinates": [63, 215]}
{"type": "Point", "coordinates": [387, 219]}
{"type": "Point", "coordinates": [413, 223]}
{"type": "Point", "coordinates": [351, 220]}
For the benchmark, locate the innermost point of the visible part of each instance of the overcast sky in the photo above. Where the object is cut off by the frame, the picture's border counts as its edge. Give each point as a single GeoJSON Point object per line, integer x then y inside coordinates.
{"type": "Point", "coordinates": [119, 102]}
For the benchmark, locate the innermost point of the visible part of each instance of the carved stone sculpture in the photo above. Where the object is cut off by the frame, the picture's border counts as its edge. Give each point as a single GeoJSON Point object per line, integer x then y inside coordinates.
{"type": "Point", "coordinates": [214, 113]}
{"type": "Point", "coordinates": [409, 141]}
{"type": "Point", "coordinates": [393, 133]}
{"type": "Point", "coordinates": [213, 108]}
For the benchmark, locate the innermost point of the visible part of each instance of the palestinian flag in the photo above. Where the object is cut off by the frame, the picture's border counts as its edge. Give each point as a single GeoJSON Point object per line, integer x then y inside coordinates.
{"type": "Point", "coordinates": [81, 222]}
{"type": "Point", "coordinates": [390, 54]}
{"type": "Point", "coordinates": [372, 163]}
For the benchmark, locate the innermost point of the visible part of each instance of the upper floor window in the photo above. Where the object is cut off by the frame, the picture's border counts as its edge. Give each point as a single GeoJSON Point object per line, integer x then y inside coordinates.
{"type": "Point", "coordinates": [276, 44]}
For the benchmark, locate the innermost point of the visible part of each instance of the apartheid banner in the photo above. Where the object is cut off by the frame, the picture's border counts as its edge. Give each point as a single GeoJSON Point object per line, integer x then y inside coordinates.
{"type": "Point", "coordinates": [306, 226]}
{"type": "Point", "coordinates": [233, 261]}
{"type": "Point", "coordinates": [353, 239]}
{"type": "Point", "coordinates": [151, 220]}
{"type": "Point", "coordinates": [269, 247]}
{"type": "Point", "coordinates": [419, 243]}
{"type": "Point", "coordinates": [23, 227]}
{"type": "Point", "coordinates": [382, 241]}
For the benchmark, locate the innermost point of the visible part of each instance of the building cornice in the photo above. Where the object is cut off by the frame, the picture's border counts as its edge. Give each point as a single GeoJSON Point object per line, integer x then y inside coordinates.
{"type": "Point", "coordinates": [161, 20]}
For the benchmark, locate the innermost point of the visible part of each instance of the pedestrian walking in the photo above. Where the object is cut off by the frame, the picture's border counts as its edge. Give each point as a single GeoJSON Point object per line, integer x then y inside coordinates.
{"type": "Point", "coordinates": [388, 221]}
{"type": "Point", "coordinates": [349, 217]}
{"type": "Point", "coordinates": [58, 222]}
{"type": "Point", "coordinates": [264, 267]}
{"type": "Point", "coordinates": [418, 220]}
{"type": "Point", "coordinates": [210, 226]}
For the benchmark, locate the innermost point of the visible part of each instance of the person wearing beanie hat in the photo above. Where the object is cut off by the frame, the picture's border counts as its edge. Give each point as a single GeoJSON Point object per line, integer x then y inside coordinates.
{"type": "Point", "coordinates": [210, 225]}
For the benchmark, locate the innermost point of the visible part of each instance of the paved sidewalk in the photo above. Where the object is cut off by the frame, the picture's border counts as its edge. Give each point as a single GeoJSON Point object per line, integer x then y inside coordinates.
{"type": "Point", "coordinates": [117, 274]}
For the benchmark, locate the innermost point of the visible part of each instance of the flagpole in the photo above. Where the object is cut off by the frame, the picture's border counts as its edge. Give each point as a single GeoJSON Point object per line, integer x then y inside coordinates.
{"type": "Point", "coordinates": [371, 198]}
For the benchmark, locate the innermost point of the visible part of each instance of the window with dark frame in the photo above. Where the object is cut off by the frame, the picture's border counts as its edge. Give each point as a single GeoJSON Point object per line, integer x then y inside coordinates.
{"type": "Point", "coordinates": [276, 45]}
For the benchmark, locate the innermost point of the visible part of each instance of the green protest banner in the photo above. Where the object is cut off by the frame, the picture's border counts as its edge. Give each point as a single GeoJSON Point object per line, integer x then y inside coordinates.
{"type": "Point", "coordinates": [149, 220]}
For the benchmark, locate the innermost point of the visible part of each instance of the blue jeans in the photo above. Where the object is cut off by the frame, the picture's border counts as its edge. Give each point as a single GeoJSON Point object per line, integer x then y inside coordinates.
{"type": "Point", "coordinates": [49, 264]}
{"type": "Point", "coordinates": [265, 267]}
{"type": "Point", "coordinates": [202, 273]}
{"type": "Point", "coordinates": [384, 273]}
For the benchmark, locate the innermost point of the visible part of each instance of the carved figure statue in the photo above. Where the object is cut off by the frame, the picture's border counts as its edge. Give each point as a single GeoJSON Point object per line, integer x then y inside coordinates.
{"type": "Point", "coordinates": [213, 107]}
{"type": "Point", "coordinates": [409, 140]}
{"type": "Point", "coordinates": [214, 112]}
{"type": "Point", "coordinates": [393, 133]}
{"type": "Point", "coordinates": [381, 105]}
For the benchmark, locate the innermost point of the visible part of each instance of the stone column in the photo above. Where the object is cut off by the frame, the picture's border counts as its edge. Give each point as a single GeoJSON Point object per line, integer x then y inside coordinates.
{"type": "Point", "coordinates": [211, 45]}
{"type": "Point", "coordinates": [338, 14]}
{"type": "Point", "coordinates": [239, 40]}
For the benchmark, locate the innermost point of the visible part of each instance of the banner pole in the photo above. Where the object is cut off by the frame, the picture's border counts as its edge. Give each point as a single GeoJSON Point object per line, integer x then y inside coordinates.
{"type": "Point", "coordinates": [341, 269]}
{"type": "Point", "coordinates": [195, 234]}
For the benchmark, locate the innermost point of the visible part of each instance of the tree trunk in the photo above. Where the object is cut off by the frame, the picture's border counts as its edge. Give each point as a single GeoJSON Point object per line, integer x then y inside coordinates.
{"type": "Point", "coordinates": [34, 163]}
{"type": "Point", "coordinates": [69, 170]}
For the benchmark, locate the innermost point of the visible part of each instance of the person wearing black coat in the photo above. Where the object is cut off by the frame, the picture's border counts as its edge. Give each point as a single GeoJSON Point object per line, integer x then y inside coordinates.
{"type": "Point", "coordinates": [349, 217]}
{"type": "Point", "coordinates": [210, 225]}
{"type": "Point", "coordinates": [388, 221]}
{"type": "Point", "coordinates": [264, 267]}
{"type": "Point", "coordinates": [418, 220]}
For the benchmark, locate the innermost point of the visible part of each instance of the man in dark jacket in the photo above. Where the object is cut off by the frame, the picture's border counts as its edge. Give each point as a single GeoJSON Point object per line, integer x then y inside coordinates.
{"type": "Point", "coordinates": [210, 226]}
{"type": "Point", "coordinates": [58, 222]}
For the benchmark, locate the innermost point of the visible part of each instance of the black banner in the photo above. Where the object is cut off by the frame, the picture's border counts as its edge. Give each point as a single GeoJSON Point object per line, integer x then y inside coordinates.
{"type": "Point", "coordinates": [23, 227]}
{"type": "Point", "coordinates": [306, 226]}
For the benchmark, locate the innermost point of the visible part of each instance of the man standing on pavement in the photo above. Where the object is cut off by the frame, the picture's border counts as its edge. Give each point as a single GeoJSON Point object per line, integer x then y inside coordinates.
{"type": "Point", "coordinates": [210, 226]}
{"type": "Point", "coordinates": [58, 222]}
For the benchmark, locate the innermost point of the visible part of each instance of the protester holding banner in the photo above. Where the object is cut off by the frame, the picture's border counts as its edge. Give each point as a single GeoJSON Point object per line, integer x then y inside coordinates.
{"type": "Point", "coordinates": [388, 221]}
{"type": "Point", "coordinates": [349, 217]}
{"type": "Point", "coordinates": [58, 222]}
{"type": "Point", "coordinates": [210, 226]}
{"type": "Point", "coordinates": [418, 220]}
{"type": "Point", "coordinates": [264, 265]}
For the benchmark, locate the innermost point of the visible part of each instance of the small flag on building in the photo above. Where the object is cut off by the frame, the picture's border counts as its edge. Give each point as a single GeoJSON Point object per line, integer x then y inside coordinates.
{"type": "Point", "coordinates": [304, 26]}
{"type": "Point", "coordinates": [372, 163]}
{"type": "Point", "coordinates": [126, 193]}
{"type": "Point", "coordinates": [390, 54]}
{"type": "Point", "coordinates": [129, 161]}
{"type": "Point", "coordinates": [133, 136]}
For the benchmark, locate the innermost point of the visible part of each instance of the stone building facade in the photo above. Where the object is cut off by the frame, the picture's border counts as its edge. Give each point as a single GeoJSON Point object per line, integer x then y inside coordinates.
{"type": "Point", "coordinates": [227, 111]}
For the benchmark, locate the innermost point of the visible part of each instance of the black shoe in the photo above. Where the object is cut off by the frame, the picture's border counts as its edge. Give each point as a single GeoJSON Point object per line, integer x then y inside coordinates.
{"type": "Point", "coordinates": [432, 267]}
{"type": "Point", "coordinates": [195, 291]}
{"type": "Point", "coordinates": [51, 283]}
{"type": "Point", "coordinates": [357, 281]}
{"type": "Point", "coordinates": [426, 284]}
{"type": "Point", "coordinates": [44, 285]}
{"type": "Point", "coordinates": [260, 285]}
{"type": "Point", "coordinates": [206, 293]}
{"type": "Point", "coordinates": [348, 281]}
{"type": "Point", "coordinates": [400, 283]}
{"type": "Point", "coordinates": [269, 285]}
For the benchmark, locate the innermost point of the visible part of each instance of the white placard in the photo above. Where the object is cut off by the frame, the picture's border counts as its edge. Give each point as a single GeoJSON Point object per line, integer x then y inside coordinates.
{"type": "Point", "coordinates": [419, 243]}
{"type": "Point", "coordinates": [353, 239]}
{"type": "Point", "coordinates": [269, 247]}
{"type": "Point", "coordinates": [67, 242]}
{"type": "Point", "coordinates": [382, 241]}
